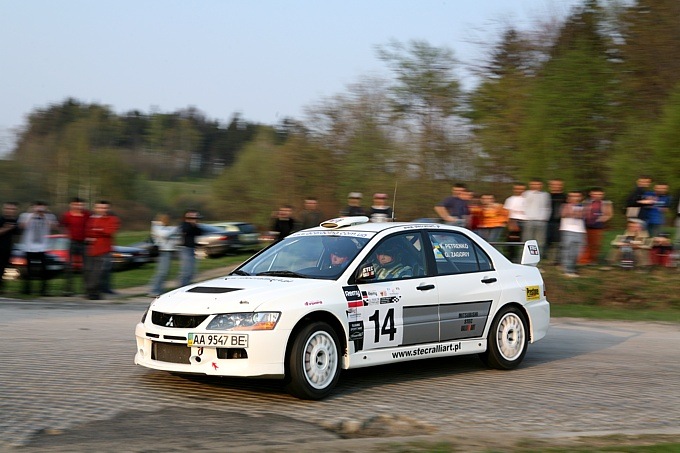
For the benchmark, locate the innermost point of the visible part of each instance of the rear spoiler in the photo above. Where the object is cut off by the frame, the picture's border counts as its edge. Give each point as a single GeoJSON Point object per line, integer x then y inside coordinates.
{"type": "Point", "coordinates": [530, 253]}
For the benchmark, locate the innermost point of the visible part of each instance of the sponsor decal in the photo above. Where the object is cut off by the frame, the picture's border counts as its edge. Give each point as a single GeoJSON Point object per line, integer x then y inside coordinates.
{"type": "Point", "coordinates": [214, 365]}
{"type": "Point", "coordinates": [421, 225]}
{"type": "Point", "coordinates": [450, 347]}
{"type": "Point", "coordinates": [390, 299]}
{"type": "Point", "coordinates": [467, 327]}
{"type": "Point", "coordinates": [533, 250]}
{"type": "Point", "coordinates": [469, 314]}
{"type": "Point", "coordinates": [353, 314]}
{"type": "Point", "coordinates": [356, 330]}
{"type": "Point", "coordinates": [314, 302]}
{"type": "Point", "coordinates": [356, 234]}
{"type": "Point", "coordinates": [352, 293]}
{"type": "Point", "coordinates": [533, 292]}
{"type": "Point", "coordinates": [368, 272]}
{"type": "Point", "coordinates": [370, 297]}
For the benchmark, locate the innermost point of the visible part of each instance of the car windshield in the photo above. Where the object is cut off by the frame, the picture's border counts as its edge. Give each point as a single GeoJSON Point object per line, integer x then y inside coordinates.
{"type": "Point", "coordinates": [322, 256]}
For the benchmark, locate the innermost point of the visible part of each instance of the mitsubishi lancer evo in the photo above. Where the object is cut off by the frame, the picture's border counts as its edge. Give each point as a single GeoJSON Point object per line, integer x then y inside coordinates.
{"type": "Point", "coordinates": [350, 294]}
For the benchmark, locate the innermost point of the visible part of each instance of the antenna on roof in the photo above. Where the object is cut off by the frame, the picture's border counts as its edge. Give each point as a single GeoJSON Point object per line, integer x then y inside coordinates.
{"type": "Point", "coordinates": [394, 200]}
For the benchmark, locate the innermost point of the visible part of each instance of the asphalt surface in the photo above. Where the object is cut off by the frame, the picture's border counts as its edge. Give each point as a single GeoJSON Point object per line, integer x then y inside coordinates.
{"type": "Point", "coordinates": [67, 383]}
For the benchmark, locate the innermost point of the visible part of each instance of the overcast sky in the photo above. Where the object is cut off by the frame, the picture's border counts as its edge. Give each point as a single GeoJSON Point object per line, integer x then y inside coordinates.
{"type": "Point", "coordinates": [266, 59]}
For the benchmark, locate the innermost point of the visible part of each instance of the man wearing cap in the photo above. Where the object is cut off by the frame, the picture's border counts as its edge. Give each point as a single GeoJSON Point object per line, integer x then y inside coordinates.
{"type": "Point", "coordinates": [379, 211]}
{"type": "Point", "coordinates": [353, 207]}
{"type": "Point", "coordinates": [632, 247]}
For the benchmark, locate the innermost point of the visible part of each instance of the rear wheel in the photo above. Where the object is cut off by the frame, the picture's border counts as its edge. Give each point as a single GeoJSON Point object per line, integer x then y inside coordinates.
{"type": "Point", "coordinates": [314, 364]}
{"type": "Point", "coordinates": [508, 339]}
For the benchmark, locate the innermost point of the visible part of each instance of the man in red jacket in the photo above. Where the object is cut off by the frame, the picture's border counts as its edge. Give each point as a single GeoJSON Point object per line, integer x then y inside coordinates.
{"type": "Point", "coordinates": [101, 227]}
{"type": "Point", "coordinates": [74, 223]}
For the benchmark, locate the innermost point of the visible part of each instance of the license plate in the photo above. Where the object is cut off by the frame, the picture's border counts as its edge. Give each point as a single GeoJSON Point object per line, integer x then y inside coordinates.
{"type": "Point", "coordinates": [217, 340]}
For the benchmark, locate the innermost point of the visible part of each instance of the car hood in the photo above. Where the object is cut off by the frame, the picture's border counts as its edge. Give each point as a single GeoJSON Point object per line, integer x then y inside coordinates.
{"type": "Point", "coordinates": [240, 294]}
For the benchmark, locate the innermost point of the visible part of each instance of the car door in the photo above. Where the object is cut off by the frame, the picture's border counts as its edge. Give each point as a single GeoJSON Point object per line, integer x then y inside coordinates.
{"type": "Point", "coordinates": [468, 285]}
{"type": "Point", "coordinates": [401, 310]}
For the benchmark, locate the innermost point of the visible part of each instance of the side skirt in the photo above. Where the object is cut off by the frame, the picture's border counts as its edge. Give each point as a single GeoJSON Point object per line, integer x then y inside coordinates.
{"type": "Point", "coordinates": [416, 352]}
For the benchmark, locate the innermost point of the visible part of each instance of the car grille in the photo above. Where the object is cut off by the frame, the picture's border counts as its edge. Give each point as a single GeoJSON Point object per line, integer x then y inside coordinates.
{"type": "Point", "coordinates": [170, 352]}
{"type": "Point", "coordinates": [177, 321]}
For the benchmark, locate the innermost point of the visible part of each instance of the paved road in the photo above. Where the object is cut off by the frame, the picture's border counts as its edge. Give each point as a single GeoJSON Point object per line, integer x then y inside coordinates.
{"type": "Point", "coordinates": [67, 383]}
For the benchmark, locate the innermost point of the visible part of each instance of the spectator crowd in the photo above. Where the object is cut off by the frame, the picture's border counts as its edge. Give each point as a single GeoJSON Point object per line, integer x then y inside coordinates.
{"type": "Point", "coordinates": [568, 225]}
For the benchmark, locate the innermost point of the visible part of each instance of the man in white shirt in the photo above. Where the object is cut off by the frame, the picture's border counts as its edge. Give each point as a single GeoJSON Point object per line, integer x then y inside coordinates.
{"type": "Point", "coordinates": [572, 232]}
{"type": "Point", "coordinates": [36, 224]}
{"type": "Point", "coordinates": [537, 209]}
{"type": "Point", "coordinates": [514, 204]}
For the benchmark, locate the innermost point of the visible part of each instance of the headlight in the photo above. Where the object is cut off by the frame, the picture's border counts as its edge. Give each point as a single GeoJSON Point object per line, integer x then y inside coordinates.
{"type": "Point", "coordinates": [146, 312]}
{"type": "Point", "coordinates": [245, 321]}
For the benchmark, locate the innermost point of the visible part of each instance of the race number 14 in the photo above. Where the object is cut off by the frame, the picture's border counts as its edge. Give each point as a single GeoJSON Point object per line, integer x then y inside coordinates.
{"type": "Point", "coordinates": [384, 327]}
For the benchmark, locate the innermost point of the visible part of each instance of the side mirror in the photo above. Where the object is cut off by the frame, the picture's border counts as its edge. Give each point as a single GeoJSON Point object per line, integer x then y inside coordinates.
{"type": "Point", "coordinates": [365, 273]}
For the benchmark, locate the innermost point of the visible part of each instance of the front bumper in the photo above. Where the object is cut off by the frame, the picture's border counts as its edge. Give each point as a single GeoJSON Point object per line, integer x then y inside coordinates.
{"type": "Point", "coordinates": [166, 349]}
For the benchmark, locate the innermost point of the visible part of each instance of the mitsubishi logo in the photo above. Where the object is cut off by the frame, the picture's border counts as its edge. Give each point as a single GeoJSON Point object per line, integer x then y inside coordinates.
{"type": "Point", "coordinates": [170, 323]}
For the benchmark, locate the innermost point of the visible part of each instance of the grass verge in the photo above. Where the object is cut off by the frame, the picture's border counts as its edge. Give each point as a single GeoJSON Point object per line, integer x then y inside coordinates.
{"type": "Point", "coordinates": [615, 293]}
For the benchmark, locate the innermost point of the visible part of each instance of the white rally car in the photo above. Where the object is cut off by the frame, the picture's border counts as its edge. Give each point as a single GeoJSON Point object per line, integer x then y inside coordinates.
{"type": "Point", "coordinates": [350, 294]}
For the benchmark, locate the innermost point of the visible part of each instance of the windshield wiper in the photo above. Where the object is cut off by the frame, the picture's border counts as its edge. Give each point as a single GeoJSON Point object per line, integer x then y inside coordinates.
{"type": "Point", "coordinates": [239, 273]}
{"type": "Point", "coordinates": [283, 274]}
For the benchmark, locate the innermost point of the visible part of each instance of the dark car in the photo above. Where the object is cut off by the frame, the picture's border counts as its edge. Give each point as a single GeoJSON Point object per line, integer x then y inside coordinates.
{"type": "Point", "coordinates": [128, 257]}
{"type": "Point", "coordinates": [122, 257]}
{"type": "Point", "coordinates": [226, 237]}
{"type": "Point", "coordinates": [149, 245]}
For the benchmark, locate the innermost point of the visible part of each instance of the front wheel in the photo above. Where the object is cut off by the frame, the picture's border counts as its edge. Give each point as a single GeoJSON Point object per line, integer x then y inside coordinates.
{"type": "Point", "coordinates": [508, 339]}
{"type": "Point", "coordinates": [314, 364]}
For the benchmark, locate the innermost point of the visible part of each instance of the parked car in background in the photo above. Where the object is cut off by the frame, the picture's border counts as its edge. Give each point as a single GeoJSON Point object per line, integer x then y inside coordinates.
{"type": "Point", "coordinates": [18, 264]}
{"type": "Point", "coordinates": [226, 237]}
{"type": "Point", "coordinates": [128, 257]}
{"type": "Point", "coordinates": [149, 245]}
{"type": "Point", "coordinates": [123, 257]}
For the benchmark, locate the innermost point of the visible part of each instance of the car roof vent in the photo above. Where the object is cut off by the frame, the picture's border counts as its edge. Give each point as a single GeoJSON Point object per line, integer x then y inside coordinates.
{"type": "Point", "coordinates": [211, 290]}
{"type": "Point", "coordinates": [341, 222]}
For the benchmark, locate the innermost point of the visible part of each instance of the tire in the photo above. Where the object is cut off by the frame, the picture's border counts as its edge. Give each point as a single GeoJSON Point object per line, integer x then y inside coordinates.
{"type": "Point", "coordinates": [314, 362]}
{"type": "Point", "coordinates": [508, 340]}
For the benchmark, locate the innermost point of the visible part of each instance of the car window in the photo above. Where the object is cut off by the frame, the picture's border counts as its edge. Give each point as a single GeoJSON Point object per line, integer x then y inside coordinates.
{"type": "Point", "coordinates": [209, 229]}
{"type": "Point", "coordinates": [247, 228]}
{"type": "Point", "coordinates": [308, 256]}
{"type": "Point", "coordinates": [455, 253]}
{"type": "Point", "coordinates": [399, 256]}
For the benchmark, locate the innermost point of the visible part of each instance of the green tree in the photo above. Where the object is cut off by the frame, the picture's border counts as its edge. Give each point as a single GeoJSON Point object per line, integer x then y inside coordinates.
{"type": "Point", "coordinates": [650, 44]}
{"type": "Point", "coordinates": [571, 116]}
{"type": "Point", "coordinates": [665, 143]}
{"type": "Point", "coordinates": [498, 106]}
{"type": "Point", "coordinates": [425, 100]}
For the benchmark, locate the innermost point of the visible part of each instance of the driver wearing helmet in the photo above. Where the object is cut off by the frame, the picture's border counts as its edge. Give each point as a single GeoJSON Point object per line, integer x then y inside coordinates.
{"type": "Point", "coordinates": [390, 265]}
{"type": "Point", "coordinates": [341, 253]}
